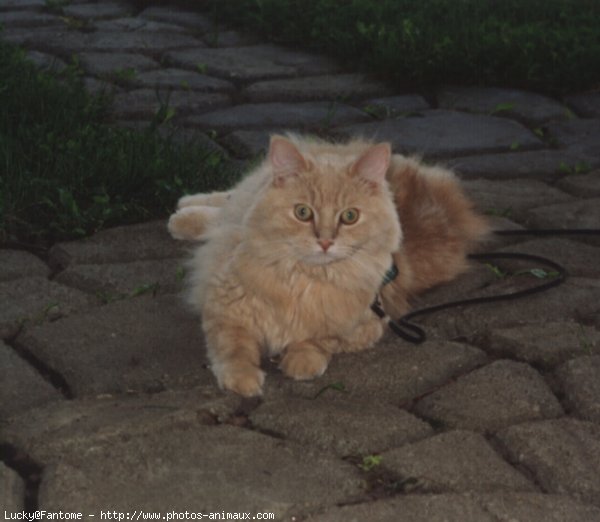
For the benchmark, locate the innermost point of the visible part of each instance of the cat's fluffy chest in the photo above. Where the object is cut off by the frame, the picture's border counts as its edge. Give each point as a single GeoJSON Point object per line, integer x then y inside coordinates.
{"type": "Point", "coordinates": [301, 307]}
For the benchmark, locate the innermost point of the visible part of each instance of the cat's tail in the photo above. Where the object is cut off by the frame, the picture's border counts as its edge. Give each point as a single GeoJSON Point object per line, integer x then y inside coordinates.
{"type": "Point", "coordinates": [439, 225]}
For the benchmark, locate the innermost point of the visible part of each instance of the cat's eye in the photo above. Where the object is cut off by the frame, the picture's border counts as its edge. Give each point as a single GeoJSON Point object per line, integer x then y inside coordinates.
{"type": "Point", "coordinates": [303, 212]}
{"type": "Point", "coordinates": [349, 216]}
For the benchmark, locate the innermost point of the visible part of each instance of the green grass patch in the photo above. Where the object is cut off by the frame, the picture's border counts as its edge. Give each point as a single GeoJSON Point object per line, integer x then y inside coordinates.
{"type": "Point", "coordinates": [551, 46]}
{"type": "Point", "coordinates": [66, 173]}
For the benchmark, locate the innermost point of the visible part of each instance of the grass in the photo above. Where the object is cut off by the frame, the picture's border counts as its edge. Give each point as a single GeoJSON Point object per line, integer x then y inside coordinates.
{"type": "Point", "coordinates": [551, 46]}
{"type": "Point", "coordinates": [66, 173]}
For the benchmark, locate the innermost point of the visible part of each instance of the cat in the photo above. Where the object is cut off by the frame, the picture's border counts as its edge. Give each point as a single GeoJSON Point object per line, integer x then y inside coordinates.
{"type": "Point", "coordinates": [295, 254]}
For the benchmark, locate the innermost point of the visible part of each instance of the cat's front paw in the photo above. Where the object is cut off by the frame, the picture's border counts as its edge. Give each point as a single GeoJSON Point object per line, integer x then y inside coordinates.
{"type": "Point", "coordinates": [245, 380]}
{"type": "Point", "coordinates": [303, 363]}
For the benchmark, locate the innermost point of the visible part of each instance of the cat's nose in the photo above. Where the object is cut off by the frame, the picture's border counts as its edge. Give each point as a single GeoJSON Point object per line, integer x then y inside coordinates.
{"type": "Point", "coordinates": [325, 244]}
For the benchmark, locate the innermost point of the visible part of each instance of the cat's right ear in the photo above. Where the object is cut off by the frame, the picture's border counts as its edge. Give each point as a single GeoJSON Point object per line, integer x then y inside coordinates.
{"type": "Point", "coordinates": [285, 160]}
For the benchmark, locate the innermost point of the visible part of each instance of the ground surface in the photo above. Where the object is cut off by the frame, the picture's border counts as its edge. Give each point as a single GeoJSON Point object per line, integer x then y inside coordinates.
{"type": "Point", "coordinates": [107, 403]}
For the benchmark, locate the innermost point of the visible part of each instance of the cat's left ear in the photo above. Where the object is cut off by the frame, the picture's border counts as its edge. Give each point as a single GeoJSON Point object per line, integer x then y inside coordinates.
{"type": "Point", "coordinates": [373, 164]}
{"type": "Point", "coordinates": [285, 159]}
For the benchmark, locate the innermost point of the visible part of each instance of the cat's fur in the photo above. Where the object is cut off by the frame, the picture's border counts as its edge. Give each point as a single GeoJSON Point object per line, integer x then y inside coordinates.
{"type": "Point", "coordinates": [268, 283]}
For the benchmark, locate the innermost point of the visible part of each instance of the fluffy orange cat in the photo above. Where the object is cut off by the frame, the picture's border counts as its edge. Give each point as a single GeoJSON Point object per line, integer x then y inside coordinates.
{"type": "Point", "coordinates": [297, 251]}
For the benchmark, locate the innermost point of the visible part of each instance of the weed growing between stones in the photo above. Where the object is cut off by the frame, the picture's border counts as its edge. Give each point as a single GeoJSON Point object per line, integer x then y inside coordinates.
{"type": "Point", "coordinates": [65, 173]}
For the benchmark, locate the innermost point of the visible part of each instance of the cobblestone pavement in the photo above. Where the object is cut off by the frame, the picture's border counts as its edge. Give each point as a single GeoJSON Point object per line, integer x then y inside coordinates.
{"type": "Point", "coordinates": [107, 403]}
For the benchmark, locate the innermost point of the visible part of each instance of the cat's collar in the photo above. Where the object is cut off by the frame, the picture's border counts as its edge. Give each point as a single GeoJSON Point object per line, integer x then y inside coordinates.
{"type": "Point", "coordinates": [390, 275]}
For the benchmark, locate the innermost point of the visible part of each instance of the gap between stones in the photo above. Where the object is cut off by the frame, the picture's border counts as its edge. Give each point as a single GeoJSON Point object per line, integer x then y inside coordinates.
{"type": "Point", "coordinates": [49, 374]}
{"type": "Point", "coordinates": [28, 469]}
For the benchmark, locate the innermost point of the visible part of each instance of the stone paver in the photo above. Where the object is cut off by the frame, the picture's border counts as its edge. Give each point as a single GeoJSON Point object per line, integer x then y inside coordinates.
{"type": "Point", "coordinates": [204, 469]}
{"type": "Point", "coordinates": [443, 133]}
{"type": "Point", "coordinates": [115, 280]}
{"type": "Point", "coordinates": [500, 394]}
{"type": "Point", "coordinates": [12, 490]}
{"type": "Point", "coordinates": [138, 344]}
{"type": "Point", "coordinates": [115, 64]}
{"type": "Point", "coordinates": [103, 363]}
{"type": "Point", "coordinates": [145, 103]}
{"type": "Point", "coordinates": [545, 345]}
{"type": "Point", "coordinates": [585, 104]}
{"type": "Point", "coordinates": [458, 461]}
{"type": "Point", "coordinates": [562, 454]}
{"type": "Point", "coordinates": [528, 107]}
{"type": "Point", "coordinates": [303, 115]}
{"type": "Point", "coordinates": [582, 185]}
{"type": "Point", "coordinates": [251, 63]}
{"type": "Point", "coordinates": [74, 426]}
{"type": "Point", "coordinates": [343, 427]}
{"type": "Point", "coordinates": [577, 214]}
{"type": "Point", "coordinates": [32, 300]}
{"type": "Point", "coordinates": [512, 198]}
{"type": "Point", "coordinates": [580, 383]}
{"type": "Point", "coordinates": [121, 244]}
{"type": "Point", "coordinates": [544, 165]}
{"type": "Point", "coordinates": [21, 387]}
{"type": "Point", "coordinates": [395, 372]}
{"type": "Point", "coordinates": [579, 136]}
{"type": "Point", "coordinates": [313, 88]}
{"type": "Point", "coordinates": [18, 263]}
{"type": "Point", "coordinates": [505, 507]}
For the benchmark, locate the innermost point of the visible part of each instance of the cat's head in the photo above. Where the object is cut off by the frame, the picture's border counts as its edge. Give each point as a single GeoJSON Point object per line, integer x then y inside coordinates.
{"type": "Point", "coordinates": [325, 203]}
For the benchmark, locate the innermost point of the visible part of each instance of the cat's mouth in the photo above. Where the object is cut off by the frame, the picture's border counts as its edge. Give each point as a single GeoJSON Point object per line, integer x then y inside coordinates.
{"type": "Point", "coordinates": [321, 258]}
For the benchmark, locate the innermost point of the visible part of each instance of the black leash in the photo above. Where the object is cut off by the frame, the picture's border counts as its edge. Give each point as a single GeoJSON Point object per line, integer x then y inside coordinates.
{"type": "Point", "coordinates": [408, 331]}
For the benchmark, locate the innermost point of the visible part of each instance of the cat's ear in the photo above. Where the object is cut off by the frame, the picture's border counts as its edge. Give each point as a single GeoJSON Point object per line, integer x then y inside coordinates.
{"type": "Point", "coordinates": [373, 164]}
{"type": "Point", "coordinates": [285, 159]}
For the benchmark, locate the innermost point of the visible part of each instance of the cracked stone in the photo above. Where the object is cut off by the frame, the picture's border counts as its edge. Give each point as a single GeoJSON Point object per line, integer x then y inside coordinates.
{"type": "Point", "coordinates": [442, 133]}
{"type": "Point", "coordinates": [502, 506]}
{"type": "Point", "coordinates": [393, 372]}
{"type": "Point", "coordinates": [279, 115]}
{"type": "Point", "coordinates": [182, 80]}
{"type": "Point", "coordinates": [263, 475]}
{"type": "Point", "coordinates": [545, 345]}
{"type": "Point", "coordinates": [562, 454]}
{"type": "Point", "coordinates": [455, 461]}
{"type": "Point", "coordinates": [513, 197]}
{"type": "Point", "coordinates": [120, 244]}
{"type": "Point", "coordinates": [248, 143]}
{"type": "Point", "coordinates": [21, 387]}
{"type": "Point", "coordinates": [139, 344]}
{"type": "Point", "coordinates": [252, 63]}
{"type": "Point", "coordinates": [498, 395]}
{"type": "Point", "coordinates": [222, 38]}
{"type": "Point", "coordinates": [585, 104]}
{"type": "Point", "coordinates": [315, 88]}
{"type": "Point", "coordinates": [18, 263]}
{"type": "Point", "coordinates": [115, 280]}
{"type": "Point", "coordinates": [543, 165]}
{"type": "Point", "coordinates": [529, 107]}
{"type": "Point", "coordinates": [31, 300]}
{"type": "Point", "coordinates": [580, 382]}
{"type": "Point", "coordinates": [582, 185]}
{"type": "Point", "coordinates": [13, 490]}
{"type": "Point", "coordinates": [70, 427]}
{"type": "Point", "coordinates": [343, 427]}
{"type": "Point", "coordinates": [145, 103]}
